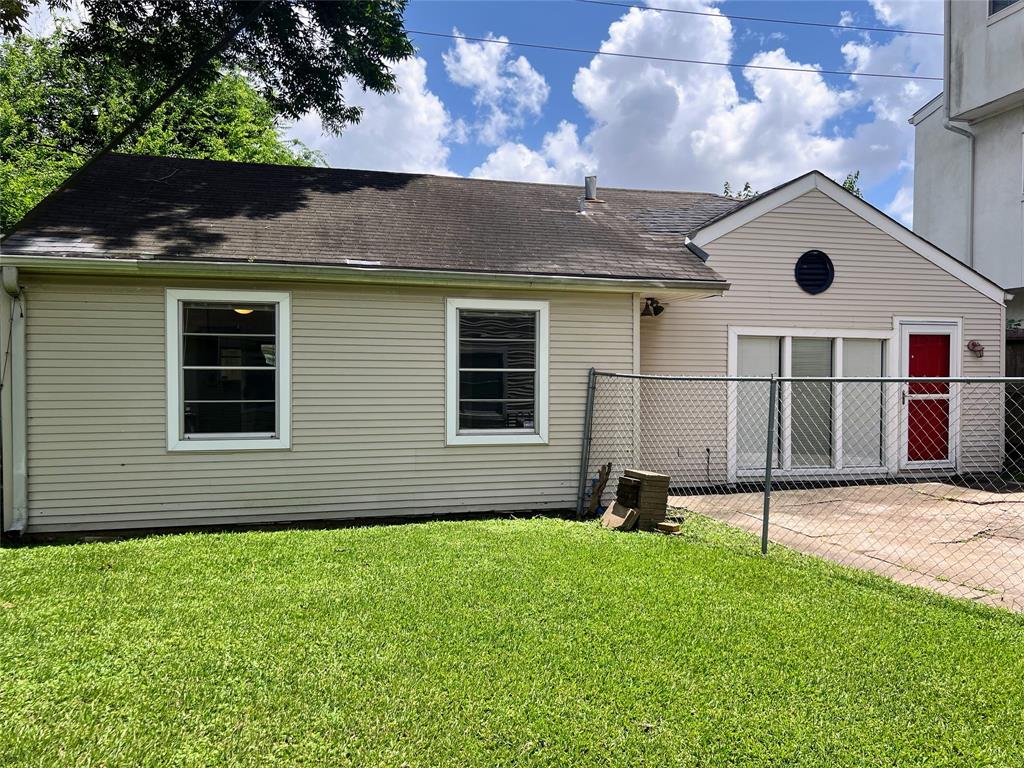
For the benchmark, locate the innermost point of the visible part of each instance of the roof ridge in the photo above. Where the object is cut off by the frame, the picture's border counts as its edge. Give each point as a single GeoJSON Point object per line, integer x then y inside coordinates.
{"type": "Point", "coordinates": [414, 174]}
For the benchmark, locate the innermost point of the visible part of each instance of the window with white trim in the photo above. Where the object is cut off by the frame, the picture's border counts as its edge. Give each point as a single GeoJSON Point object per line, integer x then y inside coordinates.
{"type": "Point", "coordinates": [820, 424]}
{"type": "Point", "coordinates": [227, 370]}
{"type": "Point", "coordinates": [995, 6]}
{"type": "Point", "coordinates": [497, 371]}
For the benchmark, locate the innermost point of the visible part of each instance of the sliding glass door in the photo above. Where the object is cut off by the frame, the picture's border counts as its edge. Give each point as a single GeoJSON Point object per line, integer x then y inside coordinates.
{"type": "Point", "coordinates": [821, 425]}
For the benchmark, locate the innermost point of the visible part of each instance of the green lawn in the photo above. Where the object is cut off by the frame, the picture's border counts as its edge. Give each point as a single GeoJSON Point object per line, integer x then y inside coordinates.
{"type": "Point", "coordinates": [504, 642]}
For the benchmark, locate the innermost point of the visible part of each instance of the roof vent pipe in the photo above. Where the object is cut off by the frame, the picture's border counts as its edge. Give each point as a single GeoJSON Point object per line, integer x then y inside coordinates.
{"type": "Point", "coordinates": [590, 187]}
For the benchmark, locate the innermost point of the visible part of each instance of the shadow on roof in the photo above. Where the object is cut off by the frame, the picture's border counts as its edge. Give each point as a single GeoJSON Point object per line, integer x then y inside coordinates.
{"type": "Point", "coordinates": [174, 208]}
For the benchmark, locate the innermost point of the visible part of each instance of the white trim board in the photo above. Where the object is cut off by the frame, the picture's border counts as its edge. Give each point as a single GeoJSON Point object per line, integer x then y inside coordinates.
{"type": "Point", "coordinates": [953, 327]}
{"type": "Point", "coordinates": [353, 274]}
{"type": "Point", "coordinates": [175, 440]}
{"type": "Point", "coordinates": [453, 436]}
{"type": "Point", "coordinates": [815, 180]}
{"type": "Point", "coordinates": [927, 109]}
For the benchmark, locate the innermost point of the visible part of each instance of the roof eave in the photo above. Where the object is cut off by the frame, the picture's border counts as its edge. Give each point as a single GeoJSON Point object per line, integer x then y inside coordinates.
{"type": "Point", "coordinates": [925, 110]}
{"type": "Point", "coordinates": [149, 267]}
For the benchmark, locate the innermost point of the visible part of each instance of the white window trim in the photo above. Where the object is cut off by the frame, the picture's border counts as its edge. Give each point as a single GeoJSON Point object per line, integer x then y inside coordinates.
{"type": "Point", "coordinates": [175, 440]}
{"type": "Point", "coordinates": [999, 15]}
{"type": "Point", "coordinates": [734, 473]}
{"type": "Point", "coordinates": [453, 436]}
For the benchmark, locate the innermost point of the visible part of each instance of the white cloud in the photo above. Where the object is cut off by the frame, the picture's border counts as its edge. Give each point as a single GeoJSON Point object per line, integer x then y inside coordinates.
{"type": "Point", "coordinates": [902, 205]}
{"type": "Point", "coordinates": [560, 160]}
{"type": "Point", "coordinates": [889, 138]}
{"type": "Point", "coordinates": [404, 131]}
{"type": "Point", "coordinates": [663, 124]}
{"type": "Point", "coordinates": [845, 18]}
{"type": "Point", "coordinates": [673, 125]}
{"type": "Point", "coordinates": [680, 126]}
{"type": "Point", "coordinates": [506, 89]}
{"type": "Point", "coordinates": [920, 15]}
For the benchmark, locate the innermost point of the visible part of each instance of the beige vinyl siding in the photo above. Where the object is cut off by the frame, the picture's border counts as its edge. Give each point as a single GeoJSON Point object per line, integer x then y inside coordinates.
{"type": "Point", "coordinates": [876, 279]}
{"type": "Point", "coordinates": [368, 399]}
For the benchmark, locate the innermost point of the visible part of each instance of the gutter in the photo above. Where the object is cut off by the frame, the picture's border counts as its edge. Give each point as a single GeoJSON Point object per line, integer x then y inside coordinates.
{"type": "Point", "coordinates": [155, 267]}
{"type": "Point", "coordinates": [696, 250]}
{"type": "Point", "coordinates": [14, 405]}
{"type": "Point", "coordinates": [947, 123]}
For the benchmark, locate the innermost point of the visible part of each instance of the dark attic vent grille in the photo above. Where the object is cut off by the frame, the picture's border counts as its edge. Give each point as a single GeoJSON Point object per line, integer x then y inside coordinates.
{"type": "Point", "coordinates": [814, 272]}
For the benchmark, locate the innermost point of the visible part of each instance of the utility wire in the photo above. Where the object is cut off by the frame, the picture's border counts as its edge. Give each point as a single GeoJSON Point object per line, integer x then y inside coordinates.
{"type": "Point", "coordinates": [760, 18]}
{"type": "Point", "coordinates": [590, 52]}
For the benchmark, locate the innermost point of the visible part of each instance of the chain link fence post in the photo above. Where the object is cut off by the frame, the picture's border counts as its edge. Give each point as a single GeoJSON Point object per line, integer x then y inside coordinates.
{"type": "Point", "coordinates": [769, 459]}
{"type": "Point", "coordinates": [588, 426]}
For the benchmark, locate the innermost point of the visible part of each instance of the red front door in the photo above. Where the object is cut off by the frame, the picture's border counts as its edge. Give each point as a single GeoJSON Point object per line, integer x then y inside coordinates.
{"type": "Point", "coordinates": [928, 402]}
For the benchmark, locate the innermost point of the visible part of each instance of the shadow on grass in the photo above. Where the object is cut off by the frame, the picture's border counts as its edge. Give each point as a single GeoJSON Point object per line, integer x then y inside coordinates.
{"type": "Point", "coordinates": [15, 541]}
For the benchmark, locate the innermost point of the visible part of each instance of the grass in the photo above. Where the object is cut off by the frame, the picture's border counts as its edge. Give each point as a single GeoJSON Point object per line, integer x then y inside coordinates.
{"type": "Point", "coordinates": [503, 642]}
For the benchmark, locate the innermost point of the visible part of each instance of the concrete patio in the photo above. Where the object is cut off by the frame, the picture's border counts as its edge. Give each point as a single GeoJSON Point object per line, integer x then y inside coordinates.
{"type": "Point", "coordinates": [959, 541]}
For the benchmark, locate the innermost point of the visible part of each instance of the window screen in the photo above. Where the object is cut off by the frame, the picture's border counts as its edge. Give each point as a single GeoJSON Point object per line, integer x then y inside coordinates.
{"type": "Point", "coordinates": [497, 370]}
{"type": "Point", "coordinates": [757, 356]}
{"type": "Point", "coordinates": [995, 6]}
{"type": "Point", "coordinates": [229, 371]}
{"type": "Point", "coordinates": [863, 405]}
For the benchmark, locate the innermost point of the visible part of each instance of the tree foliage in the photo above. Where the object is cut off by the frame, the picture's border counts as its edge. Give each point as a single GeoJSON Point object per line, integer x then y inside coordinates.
{"type": "Point", "coordinates": [744, 194]}
{"type": "Point", "coordinates": [852, 184]}
{"type": "Point", "coordinates": [56, 109]}
{"type": "Point", "coordinates": [296, 52]}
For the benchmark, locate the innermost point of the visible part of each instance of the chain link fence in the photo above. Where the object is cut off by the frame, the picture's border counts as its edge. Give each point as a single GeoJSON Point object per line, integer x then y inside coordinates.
{"type": "Point", "coordinates": [921, 480]}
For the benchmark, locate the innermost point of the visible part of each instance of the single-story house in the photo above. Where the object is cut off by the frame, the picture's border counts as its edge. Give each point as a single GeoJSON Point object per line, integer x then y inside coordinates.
{"type": "Point", "coordinates": [192, 342]}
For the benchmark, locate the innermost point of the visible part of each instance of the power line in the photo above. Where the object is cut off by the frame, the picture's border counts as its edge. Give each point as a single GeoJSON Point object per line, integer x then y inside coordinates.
{"type": "Point", "coordinates": [590, 52]}
{"type": "Point", "coordinates": [760, 18]}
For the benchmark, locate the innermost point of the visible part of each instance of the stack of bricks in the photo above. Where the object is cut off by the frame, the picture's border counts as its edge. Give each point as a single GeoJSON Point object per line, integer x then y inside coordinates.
{"type": "Point", "coordinates": [651, 498]}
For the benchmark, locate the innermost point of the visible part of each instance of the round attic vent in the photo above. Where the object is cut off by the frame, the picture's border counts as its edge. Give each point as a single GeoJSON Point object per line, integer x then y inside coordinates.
{"type": "Point", "coordinates": [814, 272]}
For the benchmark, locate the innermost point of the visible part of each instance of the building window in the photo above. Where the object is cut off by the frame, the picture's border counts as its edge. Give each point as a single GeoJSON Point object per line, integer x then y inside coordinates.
{"type": "Point", "coordinates": [227, 370]}
{"type": "Point", "coordinates": [820, 425]}
{"type": "Point", "coordinates": [995, 6]}
{"type": "Point", "coordinates": [497, 378]}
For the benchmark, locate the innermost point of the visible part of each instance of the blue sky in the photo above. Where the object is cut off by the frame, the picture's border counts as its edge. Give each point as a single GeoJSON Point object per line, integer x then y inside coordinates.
{"type": "Point", "coordinates": [508, 112]}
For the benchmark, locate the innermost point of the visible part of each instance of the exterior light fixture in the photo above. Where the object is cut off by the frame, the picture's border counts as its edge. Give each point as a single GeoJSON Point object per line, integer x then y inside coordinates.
{"type": "Point", "coordinates": [652, 308]}
{"type": "Point", "coordinates": [243, 310]}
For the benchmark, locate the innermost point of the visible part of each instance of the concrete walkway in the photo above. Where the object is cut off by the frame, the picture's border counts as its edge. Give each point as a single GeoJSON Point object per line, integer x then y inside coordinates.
{"type": "Point", "coordinates": [961, 542]}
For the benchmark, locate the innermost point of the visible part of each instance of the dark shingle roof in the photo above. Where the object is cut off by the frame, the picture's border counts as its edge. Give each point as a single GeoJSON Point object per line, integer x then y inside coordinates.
{"type": "Point", "coordinates": [198, 210]}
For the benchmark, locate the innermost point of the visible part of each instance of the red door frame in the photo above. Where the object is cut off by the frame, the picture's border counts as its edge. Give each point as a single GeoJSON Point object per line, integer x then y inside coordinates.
{"type": "Point", "coordinates": [928, 411]}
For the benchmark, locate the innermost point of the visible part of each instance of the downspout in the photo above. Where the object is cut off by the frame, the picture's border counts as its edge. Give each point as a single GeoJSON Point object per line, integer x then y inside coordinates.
{"type": "Point", "coordinates": [16, 427]}
{"type": "Point", "coordinates": [969, 135]}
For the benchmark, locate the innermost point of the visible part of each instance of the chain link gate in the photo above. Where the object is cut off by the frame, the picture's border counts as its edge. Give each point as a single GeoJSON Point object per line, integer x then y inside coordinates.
{"type": "Point", "coordinates": [919, 479]}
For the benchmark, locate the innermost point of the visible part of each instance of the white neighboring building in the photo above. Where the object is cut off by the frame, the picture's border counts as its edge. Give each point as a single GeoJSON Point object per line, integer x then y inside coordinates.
{"type": "Point", "coordinates": [969, 148]}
